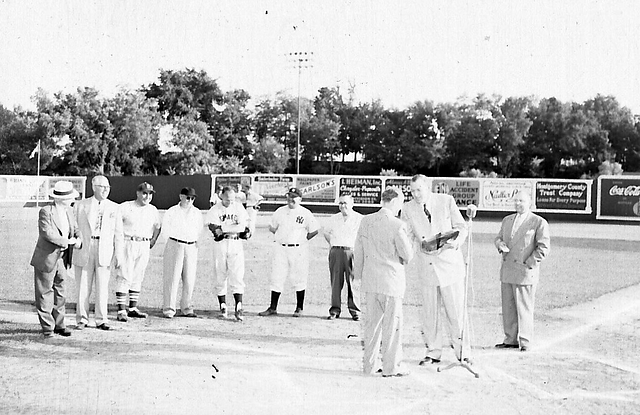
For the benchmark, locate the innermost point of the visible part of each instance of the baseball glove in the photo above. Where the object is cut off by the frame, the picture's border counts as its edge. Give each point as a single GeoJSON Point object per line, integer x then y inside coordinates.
{"type": "Point", "coordinates": [217, 232]}
{"type": "Point", "coordinates": [246, 234]}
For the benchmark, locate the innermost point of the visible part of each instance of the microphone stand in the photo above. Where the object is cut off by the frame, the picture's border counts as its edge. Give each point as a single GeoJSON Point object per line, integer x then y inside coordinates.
{"type": "Point", "coordinates": [464, 361]}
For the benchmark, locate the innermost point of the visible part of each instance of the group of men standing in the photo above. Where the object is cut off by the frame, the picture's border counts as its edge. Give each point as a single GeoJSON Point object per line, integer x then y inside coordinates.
{"type": "Point", "coordinates": [370, 250]}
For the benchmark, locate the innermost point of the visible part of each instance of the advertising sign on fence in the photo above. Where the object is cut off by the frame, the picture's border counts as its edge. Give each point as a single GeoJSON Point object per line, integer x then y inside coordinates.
{"type": "Point", "coordinates": [228, 180]}
{"type": "Point", "coordinates": [498, 194]}
{"type": "Point", "coordinates": [365, 190]}
{"type": "Point", "coordinates": [464, 191]}
{"type": "Point", "coordinates": [272, 188]}
{"type": "Point", "coordinates": [563, 196]}
{"type": "Point", "coordinates": [404, 183]}
{"type": "Point", "coordinates": [34, 188]}
{"type": "Point", "coordinates": [318, 189]}
{"type": "Point", "coordinates": [618, 198]}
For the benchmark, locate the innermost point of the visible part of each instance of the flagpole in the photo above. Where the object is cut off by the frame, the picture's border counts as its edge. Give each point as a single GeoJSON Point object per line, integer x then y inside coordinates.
{"type": "Point", "coordinates": [38, 177]}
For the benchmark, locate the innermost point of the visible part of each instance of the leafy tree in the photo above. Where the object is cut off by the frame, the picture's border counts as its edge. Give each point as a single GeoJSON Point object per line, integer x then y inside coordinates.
{"type": "Point", "coordinates": [269, 156]}
{"type": "Point", "coordinates": [513, 129]}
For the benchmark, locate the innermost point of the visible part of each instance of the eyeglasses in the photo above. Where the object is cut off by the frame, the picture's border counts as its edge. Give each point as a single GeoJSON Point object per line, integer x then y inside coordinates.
{"type": "Point", "coordinates": [190, 197]}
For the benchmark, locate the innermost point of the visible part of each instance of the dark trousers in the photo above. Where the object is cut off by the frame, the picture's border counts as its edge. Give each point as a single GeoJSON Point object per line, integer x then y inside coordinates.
{"type": "Point", "coordinates": [50, 301]}
{"type": "Point", "coordinates": [341, 269]}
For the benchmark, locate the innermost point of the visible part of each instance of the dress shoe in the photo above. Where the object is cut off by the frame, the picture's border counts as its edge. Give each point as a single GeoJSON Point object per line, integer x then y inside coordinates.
{"type": "Point", "coordinates": [63, 332]}
{"type": "Point", "coordinates": [428, 360]}
{"type": "Point", "coordinates": [524, 349]}
{"type": "Point", "coordinates": [122, 317]}
{"type": "Point", "coordinates": [506, 346]}
{"type": "Point", "coordinates": [332, 317]}
{"type": "Point", "coordinates": [81, 326]}
{"type": "Point", "coordinates": [395, 375]}
{"type": "Point", "coordinates": [355, 317]}
{"type": "Point", "coordinates": [103, 326]}
{"type": "Point", "coordinates": [135, 313]}
{"type": "Point", "coordinates": [47, 334]}
{"type": "Point", "coordinates": [297, 313]}
{"type": "Point", "coordinates": [190, 315]}
{"type": "Point", "coordinates": [268, 312]}
{"type": "Point", "coordinates": [239, 315]}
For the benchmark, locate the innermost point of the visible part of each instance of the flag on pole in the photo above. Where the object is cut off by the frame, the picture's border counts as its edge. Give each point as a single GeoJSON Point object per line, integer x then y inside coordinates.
{"type": "Point", "coordinates": [35, 150]}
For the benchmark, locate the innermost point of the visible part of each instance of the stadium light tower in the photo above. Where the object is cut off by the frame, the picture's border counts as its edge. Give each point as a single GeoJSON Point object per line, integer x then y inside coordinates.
{"type": "Point", "coordinates": [300, 60]}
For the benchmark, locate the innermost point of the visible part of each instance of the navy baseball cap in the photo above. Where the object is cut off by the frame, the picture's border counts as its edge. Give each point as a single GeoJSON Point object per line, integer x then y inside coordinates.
{"type": "Point", "coordinates": [188, 191]}
{"type": "Point", "coordinates": [294, 192]}
{"type": "Point", "coordinates": [145, 187]}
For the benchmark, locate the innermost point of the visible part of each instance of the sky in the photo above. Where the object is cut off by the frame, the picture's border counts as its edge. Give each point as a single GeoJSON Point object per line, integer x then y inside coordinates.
{"type": "Point", "coordinates": [398, 51]}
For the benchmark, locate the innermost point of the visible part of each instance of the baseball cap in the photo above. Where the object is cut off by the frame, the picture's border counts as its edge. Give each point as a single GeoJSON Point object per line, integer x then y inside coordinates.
{"type": "Point", "coordinates": [294, 192]}
{"type": "Point", "coordinates": [188, 191]}
{"type": "Point", "coordinates": [145, 187]}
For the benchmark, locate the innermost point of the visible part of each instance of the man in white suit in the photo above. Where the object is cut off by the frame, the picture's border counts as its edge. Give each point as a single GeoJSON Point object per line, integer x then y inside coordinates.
{"type": "Point", "coordinates": [441, 271]}
{"type": "Point", "coordinates": [382, 247]}
{"type": "Point", "coordinates": [524, 242]}
{"type": "Point", "coordinates": [102, 240]}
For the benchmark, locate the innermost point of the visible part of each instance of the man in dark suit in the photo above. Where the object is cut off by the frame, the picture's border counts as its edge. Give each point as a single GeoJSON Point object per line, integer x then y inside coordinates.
{"type": "Point", "coordinates": [523, 242]}
{"type": "Point", "coordinates": [57, 234]}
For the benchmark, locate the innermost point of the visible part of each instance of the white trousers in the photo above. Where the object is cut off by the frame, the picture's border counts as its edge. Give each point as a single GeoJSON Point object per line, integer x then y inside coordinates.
{"type": "Point", "coordinates": [382, 333]}
{"type": "Point", "coordinates": [85, 278]}
{"type": "Point", "coordinates": [292, 263]}
{"type": "Point", "coordinates": [178, 264]}
{"type": "Point", "coordinates": [131, 273]}
{"type": "Point", "coordinates": [228, 257]}
{"type": "Point", "coordinates": [449, 299]}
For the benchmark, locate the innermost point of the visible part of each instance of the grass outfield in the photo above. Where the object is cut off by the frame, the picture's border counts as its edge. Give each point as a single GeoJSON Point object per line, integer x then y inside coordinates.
{"type": "Point", "coordinates": [577, 270]}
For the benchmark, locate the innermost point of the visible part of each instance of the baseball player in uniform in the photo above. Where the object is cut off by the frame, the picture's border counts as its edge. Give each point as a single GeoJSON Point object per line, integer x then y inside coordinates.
{"type": "Point", "coordinates": [228, 221]}
{"type": "Point", "coordinates": [141, 227]}
{"type": "Point", "coordinates": [253, 205]}
{"type": "Point", "coordinates": [182, 224]}
{"type": "Point", "coordinates": [293, 225]}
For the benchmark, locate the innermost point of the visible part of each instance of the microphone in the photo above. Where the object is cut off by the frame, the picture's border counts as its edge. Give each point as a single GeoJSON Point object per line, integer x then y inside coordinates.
{"type": "Point", "coordinates": [471, 211]}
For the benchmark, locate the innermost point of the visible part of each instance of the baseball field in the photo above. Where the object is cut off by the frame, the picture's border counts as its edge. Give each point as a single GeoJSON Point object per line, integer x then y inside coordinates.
{"type": "Point", "coordinates": [585, 360]}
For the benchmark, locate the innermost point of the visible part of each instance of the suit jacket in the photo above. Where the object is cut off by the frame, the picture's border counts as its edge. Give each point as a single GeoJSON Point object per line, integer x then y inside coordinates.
{"type": "Point", "coordinates": [446, 267]}
{"type": "Point", "coordinates": [528, 247]}
{"type": "Point", "coordinates": [111, 236]}
{"type": "Point", "coordinates": [51, 242]}
{"type": "Point", "coordinates": [382, 248]}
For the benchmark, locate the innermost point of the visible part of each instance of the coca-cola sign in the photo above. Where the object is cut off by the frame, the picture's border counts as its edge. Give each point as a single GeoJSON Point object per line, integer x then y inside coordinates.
{"type": "Point", "coordinates": [619, 198]}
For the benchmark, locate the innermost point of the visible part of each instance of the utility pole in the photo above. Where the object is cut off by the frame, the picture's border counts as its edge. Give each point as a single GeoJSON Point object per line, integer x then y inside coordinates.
{"type": "Point", "coordinates": [300, 60]}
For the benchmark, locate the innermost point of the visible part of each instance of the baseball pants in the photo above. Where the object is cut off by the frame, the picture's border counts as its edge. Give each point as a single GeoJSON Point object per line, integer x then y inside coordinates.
{"type": "Point", "coordinates": [85, 278]}
{"type": "Point", "coordinates": [434, 299]}
{"type": "Point", "coordinates": [253, 217]}
{"type": "Point", "coordinates": [178, 264]}
{"type": "Point", "coordinates": [228, 256]}
{"type": "Point", "coordinates": [341, 271]}
{"type": "Point", "coordinates": [292, 263]}
{"type": "Point", "coordinates": [131, 273]}
{"type": "Point", "coordinates": [518, 302]}
{"type": "Point", "coordinates": [50, 301]}
{"type": "Point", "coordinates": [382, 333]}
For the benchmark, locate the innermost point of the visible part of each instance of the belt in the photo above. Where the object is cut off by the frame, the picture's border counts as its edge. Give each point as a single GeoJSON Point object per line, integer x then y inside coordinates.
{"type": "Point", "coordinates": [346, 248]}
{"type": "Point", "coordinates": [136, 238]}
{"type": "Point", "coordinates": [182, 242]}
{"type": "Point", "coordinates": [231, 236]}
{"type": "Point", "coordinates": [95, 237]}
{"type": "Point", "coordinates": [289, 245]}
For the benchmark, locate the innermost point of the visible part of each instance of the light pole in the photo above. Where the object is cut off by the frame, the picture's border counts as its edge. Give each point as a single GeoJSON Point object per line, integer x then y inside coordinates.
{"type": "Point", "coordinates": [301, 60]}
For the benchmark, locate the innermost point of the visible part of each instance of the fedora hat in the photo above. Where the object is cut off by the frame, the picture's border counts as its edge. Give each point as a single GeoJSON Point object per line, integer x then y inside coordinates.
{"type": "Point", "coordinates": [63, 189]}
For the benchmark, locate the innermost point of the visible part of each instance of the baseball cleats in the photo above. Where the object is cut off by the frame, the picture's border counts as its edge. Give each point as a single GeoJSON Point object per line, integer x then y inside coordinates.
{"type": "Point", "coordinates": [223, 311]}
{"type": "Point", "coordinates": [429, 360]}
{"type": "Point", "coordinates": [103, 326]}
{"type": "Point", "coordinates": [62, 332]}
{"type": "Point", "coordinates": [239, 315]}
{"type": "Point", "coordinates": [81, 325]}
{"type": "Point", "coordinates": [268, 312]}
{"type": "Point", "coordinates": [135, 313]}
{"type": "Point", "coordinates": [122, 316]}
{"type": "Point", "coordinates": [297, 313]}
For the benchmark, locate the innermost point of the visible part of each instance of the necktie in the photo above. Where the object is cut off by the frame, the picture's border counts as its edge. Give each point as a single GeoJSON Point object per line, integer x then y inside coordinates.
{"type": "Point", "coordinates": [99, 218]}
{"type": "Point", "coordinates": [516, 224]}
{"type": "Point", "coordinates": [426, 212]}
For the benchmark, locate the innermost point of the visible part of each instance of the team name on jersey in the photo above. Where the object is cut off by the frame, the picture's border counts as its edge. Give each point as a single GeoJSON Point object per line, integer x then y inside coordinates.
{"type": "Point", "coordinates": [229, 217]}
{"type": "Point", "coordinates": [300, 220]}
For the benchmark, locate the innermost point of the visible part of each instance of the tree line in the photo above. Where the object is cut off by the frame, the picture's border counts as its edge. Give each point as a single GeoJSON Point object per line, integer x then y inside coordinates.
{"type": "Point", "coordinates": [185, 124]}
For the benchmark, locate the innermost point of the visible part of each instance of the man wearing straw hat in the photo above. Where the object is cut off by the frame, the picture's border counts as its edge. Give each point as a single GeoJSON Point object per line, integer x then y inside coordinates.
{"type": "Point", "coordinates": [57, 234]}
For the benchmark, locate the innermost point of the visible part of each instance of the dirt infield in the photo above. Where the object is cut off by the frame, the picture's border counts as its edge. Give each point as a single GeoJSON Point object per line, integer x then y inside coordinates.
{"type": "Point", "coordinates": [586, 359]}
